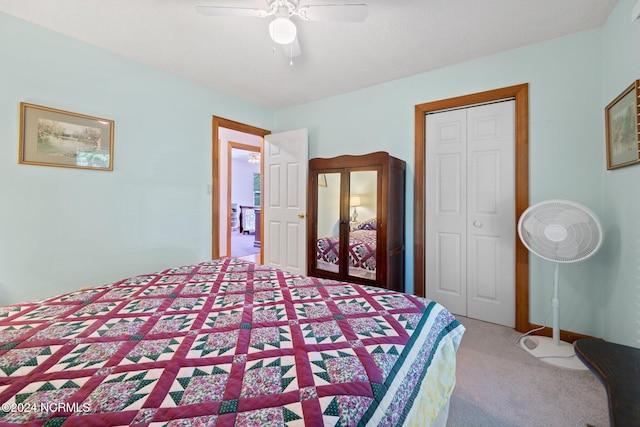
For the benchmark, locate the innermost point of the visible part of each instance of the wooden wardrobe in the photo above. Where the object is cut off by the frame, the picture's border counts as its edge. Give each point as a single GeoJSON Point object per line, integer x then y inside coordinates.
{"type": "Point", "coordinates": [356, 224]}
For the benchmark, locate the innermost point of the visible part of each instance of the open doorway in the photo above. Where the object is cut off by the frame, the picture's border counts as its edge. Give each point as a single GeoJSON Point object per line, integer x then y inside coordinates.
{"type": "Point", "coordinates": [224, 131]}
{"type": "Point", "coordinates": [245, 197]}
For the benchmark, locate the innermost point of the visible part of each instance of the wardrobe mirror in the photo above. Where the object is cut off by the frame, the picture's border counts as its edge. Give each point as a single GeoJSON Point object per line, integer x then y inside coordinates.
{"type": "Point", "coordinates": [363, 193]}
{"type": "Point", "coordinates": [328, 228]}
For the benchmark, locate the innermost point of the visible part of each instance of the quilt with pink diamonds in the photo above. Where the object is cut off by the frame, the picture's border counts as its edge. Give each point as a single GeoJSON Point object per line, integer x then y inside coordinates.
{"type": "Point", "coordinates": [224, 343]}
{"type": "Point", "coordinates": [362, 249]}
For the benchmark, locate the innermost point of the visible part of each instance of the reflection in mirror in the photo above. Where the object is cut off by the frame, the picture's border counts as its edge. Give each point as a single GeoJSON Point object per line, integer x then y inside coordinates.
{"type": "Point", "coordinates": [363, 190]}
{"type": "Point", "coordinates": [328, 232]}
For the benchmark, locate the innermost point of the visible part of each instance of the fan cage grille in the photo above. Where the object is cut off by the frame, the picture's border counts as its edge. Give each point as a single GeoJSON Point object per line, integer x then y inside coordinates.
{"type": "Point", "coordinates": [560, 231]}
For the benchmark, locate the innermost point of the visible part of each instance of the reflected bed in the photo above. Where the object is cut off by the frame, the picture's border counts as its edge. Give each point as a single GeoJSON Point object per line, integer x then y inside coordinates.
{"type": "Point", "coordinates": [362, 251]}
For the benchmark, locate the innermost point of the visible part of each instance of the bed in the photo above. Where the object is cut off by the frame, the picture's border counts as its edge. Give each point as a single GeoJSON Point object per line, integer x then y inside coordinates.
{"type": "Point", "coordinates": [227, 342]}
{"type": "Point", "coordinates": [362, 251]}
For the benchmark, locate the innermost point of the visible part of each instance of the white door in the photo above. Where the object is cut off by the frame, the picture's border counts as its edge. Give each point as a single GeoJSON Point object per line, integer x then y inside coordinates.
{"type": "Point", "coordinates": [284, 210]}
{"type": "Point", "coordinates": [470, 212]}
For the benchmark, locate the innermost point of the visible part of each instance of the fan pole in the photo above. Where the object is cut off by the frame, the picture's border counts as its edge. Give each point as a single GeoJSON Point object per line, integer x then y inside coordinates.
{"type": "Point", "coordinates": [555, 304]}
{"type": "Point", "coordinates": [550, 349]}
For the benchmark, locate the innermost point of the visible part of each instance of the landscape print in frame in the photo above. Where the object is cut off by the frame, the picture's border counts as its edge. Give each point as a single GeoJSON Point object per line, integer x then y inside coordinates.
{"type": "Point", "coordinates": [623, 127]}
{"type": "Point", "coordinates": [50, 137]}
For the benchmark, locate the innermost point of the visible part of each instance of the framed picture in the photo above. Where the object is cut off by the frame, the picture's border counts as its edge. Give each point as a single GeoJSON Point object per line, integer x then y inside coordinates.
{"type": "Point", "coordinates": [623, 128]}
{"type": "Point", "coordinates": [50, 137]}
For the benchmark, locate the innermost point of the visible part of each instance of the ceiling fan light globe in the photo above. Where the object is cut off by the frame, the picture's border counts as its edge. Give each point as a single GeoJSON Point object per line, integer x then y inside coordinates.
{"type": "Point", "coordinates": [282, 30]}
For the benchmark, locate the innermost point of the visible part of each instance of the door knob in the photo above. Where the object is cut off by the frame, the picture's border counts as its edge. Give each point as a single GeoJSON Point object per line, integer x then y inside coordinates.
{"type": "Point", "coordinates": [301, 215]}
{"type": "Point", "coordinates": [477, 224]}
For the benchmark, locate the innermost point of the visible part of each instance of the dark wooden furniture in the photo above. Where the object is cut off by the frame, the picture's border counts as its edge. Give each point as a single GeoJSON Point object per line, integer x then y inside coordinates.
{"type": "Point", "coordinates": [618, 368]}
{"type": "Point", "coordinates": [247, 219]}
{"type": "Point", "coordinates": [372, 186]}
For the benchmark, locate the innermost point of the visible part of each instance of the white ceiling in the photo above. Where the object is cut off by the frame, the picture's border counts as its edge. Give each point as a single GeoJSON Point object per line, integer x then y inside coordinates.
{"type": "Point", "coordinates": [235, 54]}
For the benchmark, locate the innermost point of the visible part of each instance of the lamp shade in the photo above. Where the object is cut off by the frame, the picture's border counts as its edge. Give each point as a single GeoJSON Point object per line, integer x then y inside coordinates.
{"type": "Point", "coordinates": [282, 30]}
{"type": "Point", "coordinates": [355, 201]}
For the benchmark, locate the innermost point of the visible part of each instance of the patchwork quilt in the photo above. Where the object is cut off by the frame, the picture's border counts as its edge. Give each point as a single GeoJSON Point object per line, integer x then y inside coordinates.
{"type": "Point", "coordinates": [226, 343]}
{"type": "Point", "coordinates": [362, 249]}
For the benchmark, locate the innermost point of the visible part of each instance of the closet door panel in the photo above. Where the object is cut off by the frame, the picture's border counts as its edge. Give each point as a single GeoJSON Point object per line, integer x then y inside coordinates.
{"type": "Point", "coordinates": [484, 268]}
{"type": "Point", "coordinates": [491, 213]}
{"type": "Point", "coordinates": [448, 260]}
{"type": "Point", "coordinates": [449, 185]}
{"type": "Point", "coordinates": [484, 182]}
{"type": "Point", "coordinates": [446, 210]}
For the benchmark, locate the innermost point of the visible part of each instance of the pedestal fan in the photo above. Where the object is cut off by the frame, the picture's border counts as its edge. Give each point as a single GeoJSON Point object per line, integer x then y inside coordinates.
{"type": "Point", "coordinates": [561, 231]}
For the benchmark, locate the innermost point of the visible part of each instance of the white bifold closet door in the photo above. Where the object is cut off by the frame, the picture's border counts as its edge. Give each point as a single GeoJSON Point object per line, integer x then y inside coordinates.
{"type": "Point", "coordinates": [470, 211]}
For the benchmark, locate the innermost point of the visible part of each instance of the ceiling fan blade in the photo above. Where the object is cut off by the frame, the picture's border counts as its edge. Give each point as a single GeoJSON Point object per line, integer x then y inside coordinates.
{"type": "Point", "coordinates": [292, 50]}
{"type": "Point", "coordinates": [230, 11]}
{"type": "Point", "coordinates": [335, 12]}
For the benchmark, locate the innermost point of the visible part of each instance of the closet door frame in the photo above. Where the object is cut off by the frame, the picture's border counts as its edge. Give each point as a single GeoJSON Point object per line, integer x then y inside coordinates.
{"type": "Point", "coordinates": [519, 93]}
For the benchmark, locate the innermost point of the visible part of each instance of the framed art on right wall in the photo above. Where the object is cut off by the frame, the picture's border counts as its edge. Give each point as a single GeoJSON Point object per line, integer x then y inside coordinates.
{"type": "Point", "coordinates": [623, 128]}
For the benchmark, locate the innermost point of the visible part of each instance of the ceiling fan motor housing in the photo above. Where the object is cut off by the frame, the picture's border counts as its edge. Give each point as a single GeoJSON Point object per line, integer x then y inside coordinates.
{"type": "Point", "coordinates": [282, 8]}
{"type": "Point", "coordinates": [282, 29]}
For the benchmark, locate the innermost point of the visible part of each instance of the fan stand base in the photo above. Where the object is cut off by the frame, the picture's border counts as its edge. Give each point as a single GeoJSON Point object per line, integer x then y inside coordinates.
{"type": "Point", "coordinates": [543, 349]}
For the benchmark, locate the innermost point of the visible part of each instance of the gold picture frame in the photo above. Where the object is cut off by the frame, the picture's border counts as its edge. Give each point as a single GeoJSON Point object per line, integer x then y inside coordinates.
{"type": "Point", "coordinates": [51, 137]}
{"type": "Point", "coordinates": [623, 128]}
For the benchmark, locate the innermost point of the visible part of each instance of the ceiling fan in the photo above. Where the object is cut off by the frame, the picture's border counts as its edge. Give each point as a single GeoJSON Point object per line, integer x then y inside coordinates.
{"type": "Point", "coordinates": [282, 29]}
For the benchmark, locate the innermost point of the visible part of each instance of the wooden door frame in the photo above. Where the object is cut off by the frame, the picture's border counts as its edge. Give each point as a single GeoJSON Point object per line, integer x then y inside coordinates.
{"type": "Point", "coordinates": [217, 123]}
{"type": "Point", "coordinates": [519, 93]}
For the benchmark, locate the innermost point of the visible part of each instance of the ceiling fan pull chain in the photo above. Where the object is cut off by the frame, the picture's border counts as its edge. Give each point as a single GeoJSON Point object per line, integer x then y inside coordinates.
{"type": "Point", "coordinates": [291, 60]}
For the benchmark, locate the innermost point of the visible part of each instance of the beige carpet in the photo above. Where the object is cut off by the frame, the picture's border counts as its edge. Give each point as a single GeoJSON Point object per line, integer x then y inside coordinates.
{"type": "Point", "coordinates": [243, 244]}
{"type": "Point", "coordinates": [500, 385]}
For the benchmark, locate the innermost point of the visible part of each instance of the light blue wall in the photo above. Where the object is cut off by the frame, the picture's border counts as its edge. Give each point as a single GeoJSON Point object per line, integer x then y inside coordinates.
{"type": "Point", "coordinates": [620, 291]}
{"type": "Point", "coordinates": [62, 229]}
{"type": "Point", "coordinates": [565, 77]}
